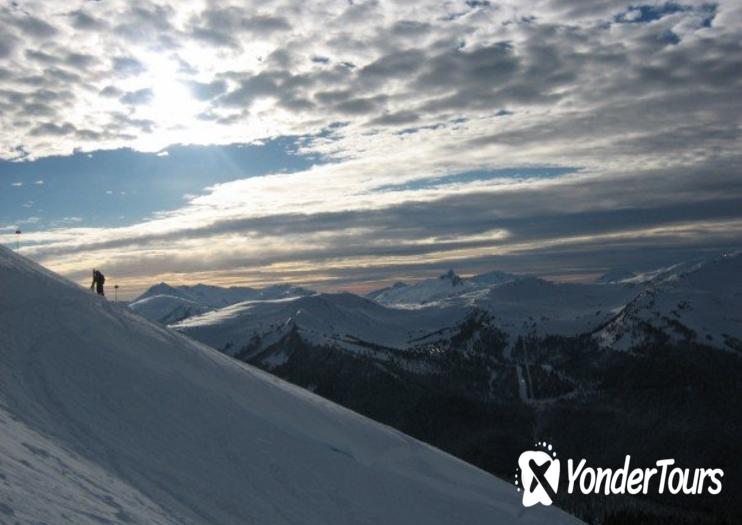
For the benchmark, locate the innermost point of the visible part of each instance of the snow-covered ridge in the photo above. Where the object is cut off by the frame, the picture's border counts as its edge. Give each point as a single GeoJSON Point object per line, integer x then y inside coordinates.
{"type": "Point", "coordinates": [169, 304]}
{"type": "Point", "coordinates": [107, 418]}
{"type": "Point", "coordinates": [699, 302]}
{"type": "Point", "coordinates": [167, 309]}
{"type": "Point", "coordinates": [342, 319]}
{"type": "Point", "coordinates": [698, 298]}
{"type": "Point", "coordinates": [448, 285]}
{"type": "Point", "coordinates": [218, 296]}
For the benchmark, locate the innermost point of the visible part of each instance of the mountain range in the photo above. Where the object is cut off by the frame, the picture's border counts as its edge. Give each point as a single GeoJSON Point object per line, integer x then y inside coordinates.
{"type": "Point", "coordinates": [106, 417]}
{"type": "Point", "coordinates": [640, 363]}
{"type": "Point", "coordinates": [689, 301]}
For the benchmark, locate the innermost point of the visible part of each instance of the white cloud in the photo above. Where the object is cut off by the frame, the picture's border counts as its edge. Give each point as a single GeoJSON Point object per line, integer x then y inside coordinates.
{"type": "Point", "coordinates": [225, 73]}
{"type": "Point", "coordinates": [394, 93]}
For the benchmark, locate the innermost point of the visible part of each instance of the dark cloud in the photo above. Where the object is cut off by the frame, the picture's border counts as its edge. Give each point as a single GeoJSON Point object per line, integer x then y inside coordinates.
{"type": "Point", "coordinates": [138, 97]}
{"type": "Point", "coordinates": [128, 66]}
{"type": "Point", "coordinates": [410, 29]}
{"type": "Point", "coordinates": [40, 56]}
{"type": "Point", "coordinates": [74, 60]}
{"type": "Point", "coordinates": [53, 130]}
{"type": "Point", "coordinates": [261, 85]}
{"type": "Point", "coordinates": [147, 22]}
{"type": "Point", "coordinates": [7, 44]}
{"type": "Point", "coordinates": [287, 89]}
{"type": "Point", "coordinates": [223, 26]}
{"type": "Point", "coordinates": [121, 120]}
{"type": "Point", "coordinates": [360, 106]}
{"type": "Point", "coordinates": [35, 27]}
{"type": "Point", "coordinates": [208, 90]}
{"type": "Point", "coordinates": [334, 97]}
{"type": "Point", "coordinates": [478, 71]}
{"type": "Point", "coordinates": [394, 119]}
{"type": "Point", "coordinates": [263, 25]}
{"type": "Point", "coordinates": [580, 215]}
{"type": "Point", "coordinates": [84, 22]}
{"type": "Point", "coordinates": [62, 75]}
{"type": "Point", "coordinates": [37, 109]}
{"type": "Point", "coordinates": [111, 92]}
{"type": "Point", "coordinates": [392, 66]}
{"type": "Point", "coordinates": [80, 60]}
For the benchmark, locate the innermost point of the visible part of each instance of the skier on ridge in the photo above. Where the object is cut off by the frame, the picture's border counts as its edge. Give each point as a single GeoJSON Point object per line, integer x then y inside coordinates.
{"type": "Point", "coordinates": [98, 280]}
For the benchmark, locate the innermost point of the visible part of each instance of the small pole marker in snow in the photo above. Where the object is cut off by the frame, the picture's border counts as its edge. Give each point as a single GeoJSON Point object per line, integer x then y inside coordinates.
{"type": "Point", "coordinates": [17, 240]}
{"type": "Point", "coordinates": [115, 293]}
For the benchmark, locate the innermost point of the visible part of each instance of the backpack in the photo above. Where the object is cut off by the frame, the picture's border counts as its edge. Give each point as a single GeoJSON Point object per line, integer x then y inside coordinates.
{"type": "Point", "coordinates": [100, 278]}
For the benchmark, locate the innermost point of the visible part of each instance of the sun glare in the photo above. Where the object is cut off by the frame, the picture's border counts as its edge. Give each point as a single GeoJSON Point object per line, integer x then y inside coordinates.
{"type": "Point", "coordinates": [172, 103]}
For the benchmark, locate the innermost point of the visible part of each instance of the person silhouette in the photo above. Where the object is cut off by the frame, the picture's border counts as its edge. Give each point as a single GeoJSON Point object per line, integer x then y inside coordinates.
{"type": "Point", "coordinates": [98, 281]}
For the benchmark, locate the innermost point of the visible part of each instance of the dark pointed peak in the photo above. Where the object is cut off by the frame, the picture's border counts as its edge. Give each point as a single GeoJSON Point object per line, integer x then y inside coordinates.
{"type": "Point", "coordinates": [453, 277]}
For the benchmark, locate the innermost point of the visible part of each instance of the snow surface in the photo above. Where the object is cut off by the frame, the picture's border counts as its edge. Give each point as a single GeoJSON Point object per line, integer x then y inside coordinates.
{"type": "Point", "coordinates": [699, 302]}
{"type": "Point", "coordinates": [219, 297]}
{"type": "Point", "coordinates": [169, 304]}
{"type": "Point", "coordinates": [107, 418]}
{"type": "Point", "coordinates": [342, 319]}
{"type": "Point", "coordinates": [539, 307]}
{"type": "Point", "coordinates": [447, 285]}
{"type": "Point", "coordinates": [167, 309]}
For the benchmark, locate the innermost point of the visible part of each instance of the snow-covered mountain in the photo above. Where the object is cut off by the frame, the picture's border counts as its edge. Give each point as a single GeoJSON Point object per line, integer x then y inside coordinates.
{"type": "Point", "coordinates": [615, 276]}
{"type": "Point", "coordinates": [698, 303]}
{"type": "Point", "coordinates": [382, 291]}
{"type": "Point", "coordinates": [169, 304]}
{"type": "Point", "coordinates": [702, 298]}
{"type": "Point", "coordinates": [167, 309]}
{"type": "Point", "coordinates": [527, 306]}
{"type": "Point", "coordinates": [343, 319]}
{"type": "Point", "coordinates": [447, 286]}
{"type": "Point", "coordinates": [546, 357]}
{"type": "Point", "coordinates": [107, 418]}
{"type": "Point", "coordinates": [531, 306]}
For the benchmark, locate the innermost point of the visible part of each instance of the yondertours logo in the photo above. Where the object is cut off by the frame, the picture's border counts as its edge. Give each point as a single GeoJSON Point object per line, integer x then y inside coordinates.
{"type": "Point", "coordinates": [538, 475]}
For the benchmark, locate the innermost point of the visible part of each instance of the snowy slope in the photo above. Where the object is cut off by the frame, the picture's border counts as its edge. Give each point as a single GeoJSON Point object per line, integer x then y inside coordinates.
{"type": "Point", "coordinates": [167, 309]}
{"type": "Point", "coordinates": [423, 292]}
{"type": "Point", "coordinates": [341, 320]}
{"type": "Point", "coordinates": [538, 307]}
{"type": "Point", "coordinates": [169, 304]}
{"type": "Point", "coordinates": [106, 418]}
{"type": "Point", "coordinates": [700, 302]}
{"type": "Point", "coordinates": [383, 291]}
{"type": "Point", "coordinates": [206, 295]}
{"type": "Point", "coordinates": [219, 297]}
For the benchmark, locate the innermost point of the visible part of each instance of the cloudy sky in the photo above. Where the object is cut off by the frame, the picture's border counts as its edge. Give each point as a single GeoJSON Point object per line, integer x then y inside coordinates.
{"type": "Point", "coordinates": [346, 144]}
